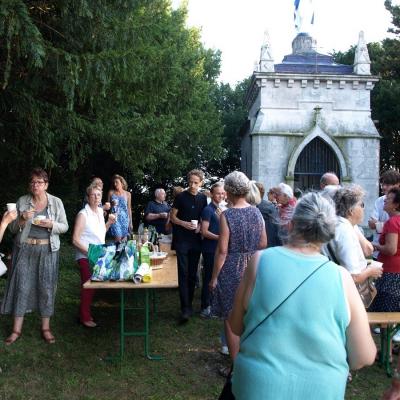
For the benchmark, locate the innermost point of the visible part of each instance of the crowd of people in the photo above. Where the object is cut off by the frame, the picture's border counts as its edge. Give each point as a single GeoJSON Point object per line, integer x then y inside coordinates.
{"type": "Point", "coordinates": [266, 263]}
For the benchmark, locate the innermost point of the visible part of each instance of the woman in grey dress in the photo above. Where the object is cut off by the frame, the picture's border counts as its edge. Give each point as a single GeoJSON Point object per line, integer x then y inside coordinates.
{"type": "Point", "coordinates": [33, 280]}
{"type": "Point", "coordinates": [242, 233]}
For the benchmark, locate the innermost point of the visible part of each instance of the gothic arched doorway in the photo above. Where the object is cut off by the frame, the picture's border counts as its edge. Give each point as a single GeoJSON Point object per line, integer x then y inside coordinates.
{"type": "Point", "coordinates": [315, 159]}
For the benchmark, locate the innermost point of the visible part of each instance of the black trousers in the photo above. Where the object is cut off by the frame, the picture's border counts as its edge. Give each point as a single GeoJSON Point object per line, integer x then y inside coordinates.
{"type": "Point", "coordinates": [208, 265]}
{"type": "Point", "coordinates": [188, 261]}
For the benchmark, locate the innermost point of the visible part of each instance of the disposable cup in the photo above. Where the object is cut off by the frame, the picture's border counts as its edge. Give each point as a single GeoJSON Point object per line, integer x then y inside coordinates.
{"type": "Point", "coordinates": [38, 218]}
{"type": "Point", "coordinates": [379, 226]}
{"type": "Point", "coordinates": [194, 222]}
{"type": "Point", "coordinates": [11, 206]}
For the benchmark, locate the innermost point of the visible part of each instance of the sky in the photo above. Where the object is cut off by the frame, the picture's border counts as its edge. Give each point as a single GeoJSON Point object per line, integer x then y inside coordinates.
{"type": "Point", "coordinates": [236, 27]}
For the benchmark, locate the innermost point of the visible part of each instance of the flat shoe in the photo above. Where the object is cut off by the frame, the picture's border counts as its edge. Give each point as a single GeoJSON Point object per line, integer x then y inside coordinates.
{"type": "Point", "coordinates": [88, 324]}
{"type": "Point", "coordinates": [48, 336]}
{"type": "Point", "coordinates": [10, 340]}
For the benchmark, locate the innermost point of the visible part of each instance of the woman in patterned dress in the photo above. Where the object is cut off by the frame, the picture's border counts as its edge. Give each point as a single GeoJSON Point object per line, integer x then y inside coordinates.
{"type": "Point", "coordinates": [120, 200]}
{"type": "Point", "coordinates": [242, 233]}
{"type": "Point", "coordinates": [33, 280]}
{"type": "Point", "coordinates": [388, 286]}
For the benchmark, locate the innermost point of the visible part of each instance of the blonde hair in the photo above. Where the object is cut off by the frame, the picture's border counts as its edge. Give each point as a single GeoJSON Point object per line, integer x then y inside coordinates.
{"type": "Point", "coordinates": [254, 196]}
{"type": "Point", "coordinates": [120, 178]}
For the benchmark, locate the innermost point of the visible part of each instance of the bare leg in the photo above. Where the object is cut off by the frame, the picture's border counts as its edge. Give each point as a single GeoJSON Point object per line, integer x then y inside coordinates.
{"type": "Point", "coordinates": [17, 328]}
{"type": "Point", "coordinates": [232, 340]}
{"type": "Point", "coordinates": [46, 333]}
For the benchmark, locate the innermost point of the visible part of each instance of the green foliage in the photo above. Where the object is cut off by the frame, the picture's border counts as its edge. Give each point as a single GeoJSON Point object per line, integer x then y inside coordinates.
{"type": "Point", "coordinates": [88, 84]}
{"type": "Point", "coordinates": [233, 111]}
{"type": "Point", "coordinates": [385, 99]}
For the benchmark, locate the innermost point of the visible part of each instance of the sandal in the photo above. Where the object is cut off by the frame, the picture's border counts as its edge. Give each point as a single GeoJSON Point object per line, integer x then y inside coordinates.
{"type": "Point", "coordinates": [11, 339]}
{"type": "Point", "coordinates": [48, 336]}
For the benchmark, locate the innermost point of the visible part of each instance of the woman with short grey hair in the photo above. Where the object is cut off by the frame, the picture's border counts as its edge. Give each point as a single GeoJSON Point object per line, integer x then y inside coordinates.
{"type": "Point", "coordinates": [279, 301]}
{"type": "Point", "coordinates": [349, 247]}
{"type": "Point", "coordinates": [241, 234]}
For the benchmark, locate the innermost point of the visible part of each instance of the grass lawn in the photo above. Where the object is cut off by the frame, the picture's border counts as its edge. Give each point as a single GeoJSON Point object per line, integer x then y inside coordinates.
{"type": "Point", "coordinates": [75, 367]}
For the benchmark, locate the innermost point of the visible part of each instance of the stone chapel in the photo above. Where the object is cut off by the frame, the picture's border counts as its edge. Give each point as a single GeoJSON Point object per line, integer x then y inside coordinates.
{"type": "Point", "coordinates": [309, 115]}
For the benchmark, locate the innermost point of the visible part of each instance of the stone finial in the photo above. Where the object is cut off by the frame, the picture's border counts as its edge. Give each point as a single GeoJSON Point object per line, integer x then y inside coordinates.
{"type": "Point", "coordinates": [362, 62]}
{"type": "Point", "coordinates": [256, 66]}
{"type": "Point", "coordinates": [266, 59]}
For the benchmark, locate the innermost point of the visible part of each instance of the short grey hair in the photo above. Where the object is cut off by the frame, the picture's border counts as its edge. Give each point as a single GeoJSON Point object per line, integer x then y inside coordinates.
{"type": "Point", "coordinates": [286, 189]}
{"type": "Point", "coordinates": [237, 184]}
{"type": "Point", "coordinates": [254, 196]}
{"type": "Point", "coordinates": [217, 185]}
{"type": "Point", "coordinates": [313, 220]}
{"type": "Point", "coordinates": [157, 191]}
{"type": "Point", "coordinates": [346, 198]}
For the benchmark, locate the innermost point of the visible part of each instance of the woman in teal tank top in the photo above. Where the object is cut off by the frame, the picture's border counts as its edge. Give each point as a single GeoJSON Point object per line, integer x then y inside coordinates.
{"type": "Point", "coordinates": [303, 350]}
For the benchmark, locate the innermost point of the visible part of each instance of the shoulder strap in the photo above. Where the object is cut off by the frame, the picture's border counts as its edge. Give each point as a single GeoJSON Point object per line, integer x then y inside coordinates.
{"type": "Point", "coordinates": [332, 254]}
{"type": "Point", "coordinates": [284, 300]}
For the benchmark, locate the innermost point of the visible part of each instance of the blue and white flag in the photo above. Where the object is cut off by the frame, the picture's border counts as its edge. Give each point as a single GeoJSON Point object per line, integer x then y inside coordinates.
{"type": "Point", "coordinates": [303, 15]}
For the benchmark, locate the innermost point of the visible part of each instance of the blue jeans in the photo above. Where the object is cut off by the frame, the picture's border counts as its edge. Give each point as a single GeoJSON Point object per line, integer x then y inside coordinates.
{"type": "Point", "coordinates": [188, 262]}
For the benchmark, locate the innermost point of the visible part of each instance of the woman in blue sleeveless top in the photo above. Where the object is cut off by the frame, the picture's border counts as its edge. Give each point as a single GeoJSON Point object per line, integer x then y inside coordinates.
{"type": "Point", "coordinates": [120, 200]}
{"type": "Point", "coordinates": [305, 348]}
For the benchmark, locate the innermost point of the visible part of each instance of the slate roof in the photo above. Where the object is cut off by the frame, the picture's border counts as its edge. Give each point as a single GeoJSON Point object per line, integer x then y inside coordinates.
{"type": "Point", "coordinates": [312, 63]}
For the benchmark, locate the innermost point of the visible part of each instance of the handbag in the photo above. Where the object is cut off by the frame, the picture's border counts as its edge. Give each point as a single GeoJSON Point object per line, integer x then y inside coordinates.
{"type": "Point", "coordinates": [226, 393]}
{"type": "Point", "coordinates": [366, 289]}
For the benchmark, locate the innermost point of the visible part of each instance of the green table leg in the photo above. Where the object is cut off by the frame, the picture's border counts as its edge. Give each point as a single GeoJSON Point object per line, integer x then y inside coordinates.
{"type": "Point", "coordinates": [122, 325]}
{"type": "Point", "coordinates": [123, 333]}
{"type": "Point", "coordinates": [382, 355]}
{"type": "Point", "coordinates": [120, 355]}
{"type": "Point", "coordinates": [146, 329]}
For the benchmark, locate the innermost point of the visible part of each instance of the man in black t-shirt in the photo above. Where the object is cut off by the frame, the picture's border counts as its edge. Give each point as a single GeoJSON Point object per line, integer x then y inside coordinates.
{"type": "Point", "coordinates": [185, 215]}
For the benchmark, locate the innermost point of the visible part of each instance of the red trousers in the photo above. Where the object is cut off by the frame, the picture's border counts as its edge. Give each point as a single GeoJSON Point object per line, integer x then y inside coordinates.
{"type": "Point", "coordinates": [86, 294]}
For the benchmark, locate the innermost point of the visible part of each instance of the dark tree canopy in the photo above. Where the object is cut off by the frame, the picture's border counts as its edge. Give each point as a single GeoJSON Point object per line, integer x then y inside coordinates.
{"type": "Point", "coordinates": [385, 99]}
{"type": "Point", "coordinates": [98, 87]}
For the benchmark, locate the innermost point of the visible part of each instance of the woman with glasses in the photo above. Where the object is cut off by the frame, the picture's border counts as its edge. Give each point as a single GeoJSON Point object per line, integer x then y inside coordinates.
{"type": "Point", "coordinates": [349, 248]}
{"type": "Point", "coordinates": [33, 280]}
{"type": "Point", "coordinates": [90, 227]}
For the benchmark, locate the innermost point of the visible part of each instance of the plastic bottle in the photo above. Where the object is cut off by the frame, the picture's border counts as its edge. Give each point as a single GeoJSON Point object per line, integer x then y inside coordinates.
{"type": "Point", "coordinates": [145, 254]}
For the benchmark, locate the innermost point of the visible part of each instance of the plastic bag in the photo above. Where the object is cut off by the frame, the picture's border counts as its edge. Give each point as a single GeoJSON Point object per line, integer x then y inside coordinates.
{"type": "Point", "coordinates": [102, 268]}
{"type": "Point", "coordinates": [125, 262]}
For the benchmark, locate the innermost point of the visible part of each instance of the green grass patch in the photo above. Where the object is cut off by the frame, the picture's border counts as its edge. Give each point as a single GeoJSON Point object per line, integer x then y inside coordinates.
{"type": "Point", "coordinates": [75, 367]}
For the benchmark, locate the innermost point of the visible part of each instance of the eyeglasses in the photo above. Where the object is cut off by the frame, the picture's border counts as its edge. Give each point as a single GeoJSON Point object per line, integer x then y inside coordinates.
{"type": "Point", "coordinates": [362, 205]}
{"type": "Point", "coordinates": [37, 183]}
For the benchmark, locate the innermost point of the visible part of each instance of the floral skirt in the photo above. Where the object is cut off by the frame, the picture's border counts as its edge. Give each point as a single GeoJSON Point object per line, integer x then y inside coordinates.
{"type": "Point", "coordinates": [32, 283]}
{"type": "Point", "coordinates": [388, 297]}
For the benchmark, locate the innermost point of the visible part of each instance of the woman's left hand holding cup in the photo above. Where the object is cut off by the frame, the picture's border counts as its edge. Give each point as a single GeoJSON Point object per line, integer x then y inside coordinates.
{"type": "Point", "coordinates": [46, 223]}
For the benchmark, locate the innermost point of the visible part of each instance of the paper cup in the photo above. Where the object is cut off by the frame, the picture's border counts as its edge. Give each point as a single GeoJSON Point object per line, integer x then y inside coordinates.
{"type": "Point", "coordinates": [194, 222]}
{"type": "Point", "coordinates": [11, 206]}
{"type": "Point", "coordinates": [379, 226]}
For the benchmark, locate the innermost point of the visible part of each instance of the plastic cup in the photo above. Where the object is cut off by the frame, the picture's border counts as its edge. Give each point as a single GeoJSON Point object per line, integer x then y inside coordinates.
{"type": "Point", "coordinates": [379, 226]}
{"type": "Point", "coordinates": [194, 222]}
{"type": "Point", "coordinates": [38, 218]}
{"type": "Point", "coordinates": [11, 206]}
